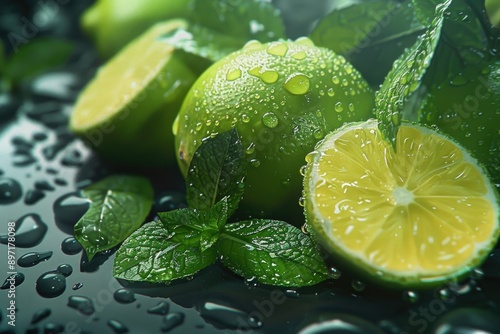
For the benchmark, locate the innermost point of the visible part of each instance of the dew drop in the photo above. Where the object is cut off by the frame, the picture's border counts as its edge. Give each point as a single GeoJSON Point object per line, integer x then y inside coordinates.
{"type": "Point", "coordinates": [65, 269]}
{"type": "Point", "coordinates": [224, 315]}
{"type": "Point", "coordinates": [77, 286]}
{"type": "Point", "coordinates": [12, 280]}
{"type": "Point", "coordinates": [358, 285]}
{"type": "Point", "coordinates": [199, 125]}
{"type": "Point", "coordinates": [334, 273]}
{"type": "Point", "coordinates": [68, 209]}
{"type": "Point", "coordinates": [245, 118]}
{"type": "Point", "coordinates": [297, 84]}
{"type": "Point", "coordinates": [233, 74]}
{"type": "Point", "coordinates": [33, 258]}
{"type": "Point", "coordinates": [304, 41]}
{"type": "Point", "coordinates": [277, 49]}
{"type": "Point", "coordinates": [330, 92]}
{"type": "Point", "coordinates": [10, 190]}
{"type": "Point", "coordinates": [410, 296]}
{"type": "Point", "coordinates": [255, 162]}
{"type": "Point", "coordinates": [161, 308]}
{"type": "Point", "coordinates": [172, 320]}
{"type": "Point", "coordinates": [292, 294]}
{"type": "Point", "coordinates": [71, 246]}
{"type": "Point", "coordinates": [270, 120]}
{"type": "Point", "coordinates": [339, 107]}
{"type": "Point", "coordinates": [252, 45]}
{"type": "Point", "coordinates": [117, 326]}
{"type": "Point", "coordinates": [124, 296]}
{"type": "Point", "coordinates": [250, 149]}
{"type": "Point", "coordinates": [40, 315]}
{"type": "Point", "coordinates": [301, 201]}
{"type": "Point", "coordinates": [50, 284]}
{"type": "Point", "coordinates": [82, 304]}
{"type": "Point", "coordinates": [350, 107]}
{"type": "Point", "coordinates": [304, 229]}
{"type": "Point", "coordinates": [269, 76]}
{"type": "Point", "coordinates": [299, 55]}
{"type": "Point", "coordinates": [335, 80]}
{"type": "Point", "coordinates": [30, 230]}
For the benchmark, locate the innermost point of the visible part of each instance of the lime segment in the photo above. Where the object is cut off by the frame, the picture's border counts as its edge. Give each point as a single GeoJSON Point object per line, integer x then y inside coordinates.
{"type": "Point", "coordinates": [419, 215]}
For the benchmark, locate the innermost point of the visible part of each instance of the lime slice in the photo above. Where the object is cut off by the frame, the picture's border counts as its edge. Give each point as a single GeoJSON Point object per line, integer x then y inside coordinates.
{"type": "Point", "coordinates": [419, 216]}
{"type": "Point", "coordinates": [124, 111]}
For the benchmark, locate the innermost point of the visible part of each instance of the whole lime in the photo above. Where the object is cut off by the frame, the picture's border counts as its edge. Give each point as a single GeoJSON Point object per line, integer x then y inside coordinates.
{"type": "Point", "coordinates": [112, 24]}
{"type": "Point", "coordinates": [467, 108]}
{"type": "Point", "coordinates": [282, 97]}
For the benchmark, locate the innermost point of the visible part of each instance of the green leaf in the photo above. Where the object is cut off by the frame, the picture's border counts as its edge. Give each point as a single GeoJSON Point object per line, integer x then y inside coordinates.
{"type": "Point", "coordinates": [373, 35]}
{"type": "Point", "coordinates": [425, 10]}
{"type": "Point", "coordinates": [118, 206]}
{"type": "Point", "coordinates": [219, 27]}
{"type": "Point", "coordinates": [344, 29]}
{"type": "Point", "coordinates": [195, 228]}
{"type": "Point", "coordinates": [272, 251]}
{"type": "Point", "coordinates": [406, 77]}
{"type": "Point", "coordinates": [216, 171]}
{"type": "Point", "coordinates": [36, 56]}
{"type": "Point", "coordinates": [150, 254]}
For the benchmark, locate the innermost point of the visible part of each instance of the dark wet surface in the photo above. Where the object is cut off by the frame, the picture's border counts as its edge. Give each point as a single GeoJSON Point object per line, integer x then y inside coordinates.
{"type": "Point", "coordinates": [42, 169]}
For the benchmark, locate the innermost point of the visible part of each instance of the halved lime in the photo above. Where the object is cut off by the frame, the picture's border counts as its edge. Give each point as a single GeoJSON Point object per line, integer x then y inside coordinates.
{"type": "Point", "coordinates": [418, 216]}
{"type": "Point", "coordinates": [124, 111]}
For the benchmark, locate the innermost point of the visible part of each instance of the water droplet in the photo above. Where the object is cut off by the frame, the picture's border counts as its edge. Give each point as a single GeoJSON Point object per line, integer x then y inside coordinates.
{"type": "Point", "coordinates": [12, 280]}
{"type": "Point", "coordinates": [224, 315]}
{"type": "Point", "coordinates": [199, 125]}
{"type": "Point", "coordinates": [335, 80]}
{"type": "Point", "coordinates": [410, 296]}
{"type": "Point", "coordinates": [94, 235]}
{"type": "Point", "coordinates": [350, 107]}
{"type": "Point", "coordinates": [299, 55]}
{"type": "Point", "coordinates": [10, 190]}
{"type": "Point", "coordinates": [68, 209]}
{"type": "Point", "coordinates": [40, 315]}
{"type": "Point", "coordinates": [334, 273]}
{"type": "Point", "coordinates": [358, 285]}
{"type": "Point", "coordinates": [304, 41]}
{"type": "Point", "coordinates": [318, 134]}
{"type": "Point", "coordinates": [339, 107]}
{"type": "Point", "coordinates": [459, 80]}
{"type": "Point", "coordinates": [51, 284]}
{"type": "Point", "coordinates": [33, 258]}
{"type": "Point", "coordinates": [77, 286]}
{"type": "Point", "coordinates": [292, 294]}
{"type": "Point", "coordinates": [301, 201]}
{"type": "Point", "coordinates": [172, 320]}
{"type": "Point", "coordinates": [65, 269]}
{"type": "Point", "coordinates": [269, 76]}
{"type": "Point", "coordinates": [331, 92]}
{"type": "Point", "coordinates": [297, 84]}
{"type": "Point", "coordinates": [270, 120]}
{"type": "Point", "coordinates": [250, 149]}
{"type": "Point", "coordinates": [255, 162]}
{"type": "Point", "coordinates": [117, 326]}
{"type": "Point", "coordinates": [233, 74]}
{"type": "Point", "coordinates": [82, 304]}
{"type": "Point", "coordinates": [252, 45]}
{"type": "Point", "coordinates": [304, 229]}
{"type": "Point", "coordinates": [277, 49]}
{"type": "Point", "coordinates": [161, 308]}
{"type": "Point", "coordinates": [124, 296]}
{"type": "Point", "coordinates": [71, 246]}
{"type": "Point", "coordinates": [245, 118]}
{"type": "Point", "coordinates": [446, 294]}
{"type": "Point", "coordinates": [30, 230]}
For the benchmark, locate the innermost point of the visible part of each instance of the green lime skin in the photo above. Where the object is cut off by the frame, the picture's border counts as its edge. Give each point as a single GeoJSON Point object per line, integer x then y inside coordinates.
{"type": "Point", "coordinates": [282, 97]}
{"type": "Point", "coordinates": [467, 109]}
{"type": "Point", "coordinates": [111, 24]}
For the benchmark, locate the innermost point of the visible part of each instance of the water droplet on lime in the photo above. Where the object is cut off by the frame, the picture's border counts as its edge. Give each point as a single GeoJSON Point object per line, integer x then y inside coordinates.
{"type": "Point", "coordinates": [270, 120]}
{"type": "Point", "coordinates": [297, 84]}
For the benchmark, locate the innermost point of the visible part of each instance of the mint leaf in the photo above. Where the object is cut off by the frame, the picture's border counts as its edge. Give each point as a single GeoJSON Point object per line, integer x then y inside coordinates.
{"type": "Point", "coordinates": [371, 35]}
{"type": "Point", "coordinates": [150, 254]}
{"type": "Point", "coordinates": [219, 27]}
{"type": "Point", "coordinates": [272, 251]}
{"type": "Point", "coordinates": [406, 76]}
{"type": "Point", "coordinates": [36, 56]}
{"type": "Point", "coordinates": [195, 228]}
{"type": "Point", "coordinates": [118, 206]}
{"type": "Point", "coordinates": [216, 171]}
{"type": "Point", "coordinates": [346, 28]}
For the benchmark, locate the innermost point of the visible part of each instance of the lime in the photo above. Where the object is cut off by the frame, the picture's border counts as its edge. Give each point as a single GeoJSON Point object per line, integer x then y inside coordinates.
{"type": "Point", "coordinates": [466, 108]}
{"type": "Point", "coordinates": [124, 110]}
{"type": "Point", "coordinates": [415, 217]}
{"type": "Point", "coordinates": [111, 24]}
{"type": "Point", "coordinates": [282, 97]}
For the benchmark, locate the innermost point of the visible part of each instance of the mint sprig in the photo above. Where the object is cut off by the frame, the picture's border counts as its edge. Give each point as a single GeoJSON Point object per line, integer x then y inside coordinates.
{"type": "Point", "coordinates": [119, 204]}
{"type": "Point", "coordinates": [181, 242]}
{"type": "Point", "coordinates": [406, 77]}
